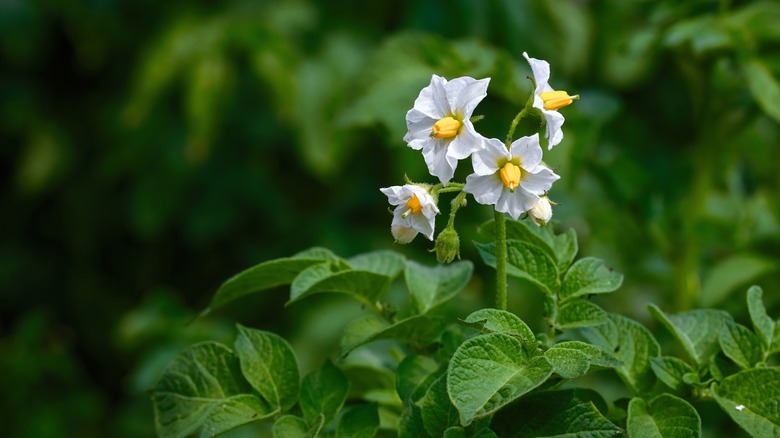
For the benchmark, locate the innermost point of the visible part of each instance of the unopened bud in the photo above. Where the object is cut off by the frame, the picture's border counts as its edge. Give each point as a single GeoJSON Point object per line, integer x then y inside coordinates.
{"type": "Point", "coordinates": [541, 213]}
{"type": "Point", "coordinates": [447, 246]}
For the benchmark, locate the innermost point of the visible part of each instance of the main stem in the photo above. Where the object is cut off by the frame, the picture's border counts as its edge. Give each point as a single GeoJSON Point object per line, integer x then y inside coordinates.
{"type": "Point", "coordinates": [500, 261]}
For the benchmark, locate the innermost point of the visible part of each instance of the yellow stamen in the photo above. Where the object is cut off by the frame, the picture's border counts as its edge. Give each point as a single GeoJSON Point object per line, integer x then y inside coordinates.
{"type": "Point", "coordinates": [510, 176]}
{"type": "Point", "coordinates": [414, 206]}
{"type": "Point", "coordinates": [445, 128]}
{"type": "Point", "coordinates": [556, 99]}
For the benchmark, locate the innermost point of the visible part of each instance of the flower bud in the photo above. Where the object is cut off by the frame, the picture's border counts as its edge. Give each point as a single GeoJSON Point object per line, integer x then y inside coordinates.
{"type": "Point", "coordinates": [541, 213]}
{"type": "Point", "coordinates": [447, 246]}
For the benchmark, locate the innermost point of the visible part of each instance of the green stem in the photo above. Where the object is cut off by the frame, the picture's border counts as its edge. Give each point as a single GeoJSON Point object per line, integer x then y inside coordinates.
{"type": "Point", "coordinates": [513, 126]}
{"type": "Point", "coordinates": [456, 204]}
{"type": "Point", "coordinates": [551, 316]}
{"type": "Point", "coordinates": [500, 261]}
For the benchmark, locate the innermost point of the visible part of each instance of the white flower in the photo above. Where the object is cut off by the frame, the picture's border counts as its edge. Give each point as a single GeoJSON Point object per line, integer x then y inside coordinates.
{"type": "Point", "coordinates": [415, 212]}
{"type": "Point", "coordinates": [513, 179]}
{"type": "Point", "coordinates": [542, 211]}
{"type": "Point", "coordinates": [548, 101]}
{"type": "Point", "coordinates": [439, 123]}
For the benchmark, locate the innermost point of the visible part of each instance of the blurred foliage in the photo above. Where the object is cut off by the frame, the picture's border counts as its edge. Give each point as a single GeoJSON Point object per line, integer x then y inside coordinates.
{"type": "Point", "coordinates": [153, 149]}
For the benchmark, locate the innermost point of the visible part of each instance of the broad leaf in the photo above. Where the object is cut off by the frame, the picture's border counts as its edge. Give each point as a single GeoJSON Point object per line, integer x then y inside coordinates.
{"type": "Point", "coordinates": [632, 344]}
{"type": "Point", "coordinates": [566, 248]}
{"type": "Point", "coordinates": [751, 398]}
{"type": "Point", "coordinates": [365, 286]}
{"type": "Point", "coordinates": [569, 413]}
{"type": "Point", "coordinates": [763, 324]}
{"type": "Point", "coordinates": [358, 421]}
{"type": "Point", "coordinates": [419, 329]}
{"type": "Point", "coordinates": [764, 87]}
{"type": "Point", "coordinates": [671, 371]}
{"type": "Point", "coordinates": [410, 425]}
{"type": "Point", "coordinates": [524, 261]}
{"type": "Point", "coordinates": [291, 426]}
{"type": "Point", "coordinates": [489, 371]}
{"type": "Point", "coordinates": [429, 287]}
{"type": "Point", "coordinates": [697, 330]}
{"type": "Point", "coordinates": [455, 432]}
{"type": "Point", "coordinates": [740, 344]}
{"type": "Point", "coordinates": [269, 365]}
{"type": "Point", "coordinates": [389, 263]}
{"type": "Point", "coordinates": [589, 276]}
{"type": "Point", "coordinates": [665, 416]}
{"type": "Point", "coordinates": [202, 389]}
{"type": "Point", "coordinates": [500, 321]}
{"type": "Point", "coordinates": [580, 313]}
{"type": "Point", "coordinates": [730, 274]}
{"type": "Point", "coordinates": [438, 413]}
{"type": "Point", "coordinates": [413, 376]}
{"type": "Point", "coordinates": [595, 355]}
{"type": "Point", "coordinates": [261, 277]}
{"type": "Point", "coordinates": [323, 392]}
{"type": "Point", "coordinates": [569, 363]}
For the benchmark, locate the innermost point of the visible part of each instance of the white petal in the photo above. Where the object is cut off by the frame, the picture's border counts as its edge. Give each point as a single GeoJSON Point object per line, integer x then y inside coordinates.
{"type": "Point", "coordinates": [435, 154]}
{"type": "Point", "coordinates": [485, 160]}
{"type": "Point", "coordinates": [516, 203]}
{"type": "Point", "coordinates": [540, 181]}
{"type": "Point", "coordinates": [426, 200]}
{"type": "Point", "coordinates": [485, 188]}
{"type": "Point", "coordinates": [541, 71]}
{"type": "Point", "coordinates": [467, 142]}
{"type": "Point", "coordinates": [432, 100]}
{"type": "Point", "coordinates": [403, 234]}
{"type": "Point", "coordinates": [528, 150]}
{"type": "Point", "coordinates": [423, 225]}
{"type": "Point", "coordinates": [469, 96]}
{"type": "Point", "coordinates": [419, 127]}
{"type": "Point", "coordinates": [554, 133]}
{"type": "Point", "coordinates": [394, 195]}
{"type": "Point", "coordinates": [541, 213]}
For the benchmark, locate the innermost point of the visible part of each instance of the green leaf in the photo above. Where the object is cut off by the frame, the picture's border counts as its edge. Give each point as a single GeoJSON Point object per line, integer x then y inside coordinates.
{"type": "Point", "coordinates": [438, 413]}
{"type": "Point", "coordinates": [665, 416]}
{"type": "Point", "coordinates": [358, 421]}
{"type": "Point", "coordinates": [730, 274]}
{"type": "Point", "coordinates": [413, 376]}
{"type": "Point", "coordinates": [410, 424]}
{"type": "Point", "coordinates": [500, 321]}
{"type": "Point", "coordinates": [525, 231]}
{"type": "Point", "coordinates": [579, 313]}
{"type": "Point", "coordinates": [751, 398]}
{"type": "Point", "coordinates": [671, 371]}
{"type": "Point", "coordinates": [202, 389]}
{"type": "Point", "coordinates": [388, 263]}
{"type": "Point", "coordinates": [264, 276]}
{"type": "Point", "coordinates": [525, 261]}
{"type": "Point", "coordinates": [418, 330]}
{"type": "Point", "coordinates": [764, 87]}
{"type": "Point", "coordinates": [569, 413]}
{"type": "Point", "coordinates": [697, 330]}
{"type": "Point", "coordinates": [632, 344]}
{"type": "Point", "coordinates": [569, 363]}
{"type": "Point", "coordinates": [365, 286]}
{"type": "Point", "coordinates": [454, 432]}
{"type": "Point", "coordinates": [566, 248]}
{"type": "Point", "coordinates": [589, 276]}
{"type": "Point", "coordinates": [291, 426]}
{"type": "Point", "coordinates": [489, 371]}
{"type": "Point", "coordinates": [763, 324]}
{"type": "Point", "coordinates": [595, 355]}
{"type": "Point", "coordinates": [430, 287]}
{"type": "Point", "coordinates": [323, 392]}
{"type": "Point", "coordinates": [269, 365]}
{"type": "Point", "coordinates": [740, 344]}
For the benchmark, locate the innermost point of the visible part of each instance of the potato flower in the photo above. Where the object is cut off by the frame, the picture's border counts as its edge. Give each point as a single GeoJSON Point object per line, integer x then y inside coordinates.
{"type": "Point", "coordinates": [513, 179]}
{"type": "Point", "coordinates": [548, 101]}
{"type": "Point", "coordinates": [439, 123]}
{"type": "Point", "coordinates": [541, 213]}
{"type": "Point", "coordinates": [415, 211]}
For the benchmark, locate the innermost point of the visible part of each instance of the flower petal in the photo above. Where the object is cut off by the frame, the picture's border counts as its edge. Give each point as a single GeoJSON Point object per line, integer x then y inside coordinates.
{"type": "Point", "coordinates": [403, 234]}
{"type": "Point", "coordinates": [465, 143]}
{"type": "Point", "coordinates": [485, 160]}
{"type": "Point", "coordinates": [469, 96]}
{"type": "Point", "coordinates": [528, 150]}
{"type": "Point", "coordinates": [554, 133]}
{"type": "Point", "coordinates": [394, 195]}
{"type": "Point", "coordinates": [486, 189]}
{"type": "Point", "coordinates": [419, 127]}
{"type": "Point", "coordinates": [541, 71]}
{"type": "Point", "coordinates": [516, 203]}
{"type": "Point", "coordinates": [423, 225]}
{"type": "Point", "coordinates": [540, 181]}
{"type": "Point", "coordinates": [439, 165]}
{"type": "Point", "coordinates": [432, 100]}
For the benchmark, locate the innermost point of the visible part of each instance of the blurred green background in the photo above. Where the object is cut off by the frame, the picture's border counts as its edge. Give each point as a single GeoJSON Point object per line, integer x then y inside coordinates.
{"type": "Point", "coordinates": [150, 150]}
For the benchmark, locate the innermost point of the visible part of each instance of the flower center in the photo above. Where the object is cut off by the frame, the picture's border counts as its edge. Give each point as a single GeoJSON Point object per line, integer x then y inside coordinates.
{"type": "Point", "coordinates": [556, 99]}
{"type": "Point", "coordinates": [445, 128]}
{"type": "Point", "coordinates": [510, 176]}
{"type": "Point", "coordinates": [413, 205]}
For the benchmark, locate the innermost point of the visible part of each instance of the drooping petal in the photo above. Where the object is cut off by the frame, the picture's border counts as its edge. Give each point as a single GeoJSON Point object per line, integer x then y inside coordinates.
{"type": "Point", "coordinates": [540, 181]}
{"type": "Point", "coordinates": [485, 161]}
{"type": "Point", "coordinates": [469, 96]}
{"type": "Point", "coordinates": [486, 189]}
{"type": "Point", "coordinates": [403, 234]}
{"type": "Point", "coordinates": [528, 150]}
{"type": "Point", "coordinates": [422, 224]}
{"type": "Point", "coordinates": [516, 203]}
{"type": "Point", "coordinates": [466, 143]}
{"type": "Point", "coordinates": [554, 133]}
{"type": "Point", "coordinates": [541, 71]}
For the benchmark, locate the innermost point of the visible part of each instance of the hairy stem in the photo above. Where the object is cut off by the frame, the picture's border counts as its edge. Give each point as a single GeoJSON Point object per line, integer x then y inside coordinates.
{"type": "Point", "coordinates": [500, 261]}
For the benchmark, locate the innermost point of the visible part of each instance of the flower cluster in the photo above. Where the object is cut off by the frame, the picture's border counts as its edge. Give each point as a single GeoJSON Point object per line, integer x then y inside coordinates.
{"type": "Point", "coordinates": [509, 176]}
